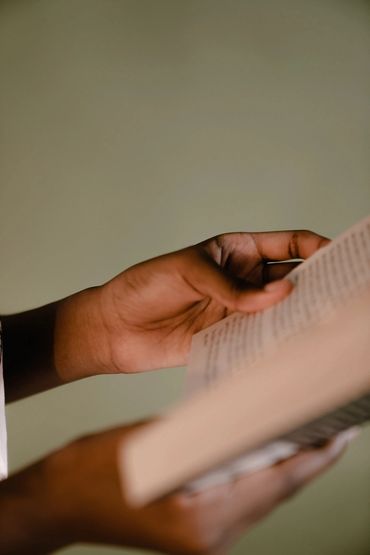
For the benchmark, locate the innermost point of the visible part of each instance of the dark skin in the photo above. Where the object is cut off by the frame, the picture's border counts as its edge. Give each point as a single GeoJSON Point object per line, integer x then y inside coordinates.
{"type": "Point", "coordinates": [75, 495]}
{"type": "Point", "coordinates": [145, 317]}
{"type": "Point", "coordinates": [141, 320]}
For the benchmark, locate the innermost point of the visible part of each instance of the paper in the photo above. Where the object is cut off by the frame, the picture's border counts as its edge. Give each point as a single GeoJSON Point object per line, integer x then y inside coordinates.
{"type": "Point", "coordinates": [323, 282]}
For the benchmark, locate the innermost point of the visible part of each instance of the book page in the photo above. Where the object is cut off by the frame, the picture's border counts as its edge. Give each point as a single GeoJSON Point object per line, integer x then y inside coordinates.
{"type": "Point", "coordinates": [328, 279]}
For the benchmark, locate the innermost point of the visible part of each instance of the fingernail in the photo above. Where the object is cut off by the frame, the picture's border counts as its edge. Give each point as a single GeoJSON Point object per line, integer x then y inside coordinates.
{"type": "Point", "coordinates": [343, 440]}
{"type": "Point", "coordinates": [275, 286]}
{"type": "Point", "coordinates": [349, 435]}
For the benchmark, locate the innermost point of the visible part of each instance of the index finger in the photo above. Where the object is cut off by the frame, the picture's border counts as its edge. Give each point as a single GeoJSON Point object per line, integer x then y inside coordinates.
{"type": "Point", "coordinates": [287, 245]}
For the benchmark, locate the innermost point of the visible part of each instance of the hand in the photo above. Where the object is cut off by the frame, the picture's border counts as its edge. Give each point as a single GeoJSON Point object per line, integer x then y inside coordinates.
{"type": "Point", "coordinates": [145, 317]}
{"type": "Point", "coordinates": [75, 495]}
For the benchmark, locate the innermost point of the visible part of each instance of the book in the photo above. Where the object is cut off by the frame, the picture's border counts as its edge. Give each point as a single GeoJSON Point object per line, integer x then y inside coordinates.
{"type": "Point", "coordinates": [261, 386]}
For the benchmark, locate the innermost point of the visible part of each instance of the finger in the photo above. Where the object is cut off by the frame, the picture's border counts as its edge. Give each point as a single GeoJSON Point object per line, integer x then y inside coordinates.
{"type": "Point", "coordinates": [302, 469]}
{"type": "Point", "coordinates": [257, 494]}
{"type": "Point", "coordinates": [285, 245]}
{"type": "Point", "coordinates": [253, 300]}
{"type": "Point", "coordinates": [290, 476]}
{"type": "Point", "coordinates": [209, 280]}
{"type": "Point", "coordinates": [277, 270]}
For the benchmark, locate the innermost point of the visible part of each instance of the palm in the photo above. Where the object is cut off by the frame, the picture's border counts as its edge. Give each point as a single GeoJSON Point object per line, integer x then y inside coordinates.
{"type": "Point", "coordinates": [161, 303]}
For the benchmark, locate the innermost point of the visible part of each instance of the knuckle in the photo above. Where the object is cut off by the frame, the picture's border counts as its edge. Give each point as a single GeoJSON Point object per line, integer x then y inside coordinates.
{"type": "Point", "coordinates": [222, 238]}
{"type": "Point", "coordinates": [293, 245]}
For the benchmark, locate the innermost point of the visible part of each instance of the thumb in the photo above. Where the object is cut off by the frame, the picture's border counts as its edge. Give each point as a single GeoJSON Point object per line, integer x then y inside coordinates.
{"type": "Point", "coordinates": [210, 280]}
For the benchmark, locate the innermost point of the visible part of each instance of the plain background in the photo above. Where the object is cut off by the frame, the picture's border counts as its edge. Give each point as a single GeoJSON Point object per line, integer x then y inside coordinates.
{"type": "Point", "coordinates": [131, 128]}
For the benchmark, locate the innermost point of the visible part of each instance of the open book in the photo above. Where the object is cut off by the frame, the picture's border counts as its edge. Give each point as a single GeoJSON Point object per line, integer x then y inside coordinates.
{"type": "Point", "coordinates": [262, 386]}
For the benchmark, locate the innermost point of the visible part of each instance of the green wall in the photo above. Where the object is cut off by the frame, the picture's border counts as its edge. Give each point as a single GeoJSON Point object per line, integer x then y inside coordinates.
{"type": "Point", "coordinates": [130, 128]}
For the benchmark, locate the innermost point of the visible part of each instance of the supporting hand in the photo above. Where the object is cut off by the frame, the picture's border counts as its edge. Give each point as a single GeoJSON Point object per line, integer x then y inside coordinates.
{"type": "Point", "coordinates": [75, 495]}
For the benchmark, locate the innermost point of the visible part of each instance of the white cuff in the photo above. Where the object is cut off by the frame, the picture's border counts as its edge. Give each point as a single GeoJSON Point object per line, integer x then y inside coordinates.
{"type": "Point", "coordinates": [3, 435]}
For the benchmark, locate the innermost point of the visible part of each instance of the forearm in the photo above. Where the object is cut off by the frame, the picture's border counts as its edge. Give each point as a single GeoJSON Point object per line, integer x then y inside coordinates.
{"type": "Point", "coordinates": [51, 345]}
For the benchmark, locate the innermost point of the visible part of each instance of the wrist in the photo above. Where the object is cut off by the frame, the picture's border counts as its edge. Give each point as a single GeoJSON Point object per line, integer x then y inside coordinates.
{"type": "Point", "coordinates": [28, 352]}
{"type": "Point", "coordinates": [81, 348]}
